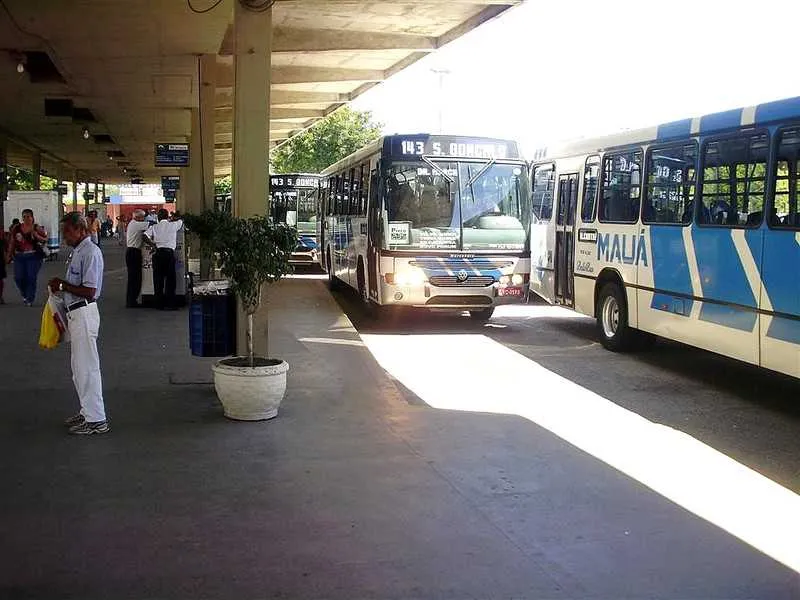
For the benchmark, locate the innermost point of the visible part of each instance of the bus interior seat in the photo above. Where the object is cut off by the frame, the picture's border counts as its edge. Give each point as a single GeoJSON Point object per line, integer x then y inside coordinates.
{"type": "Point", "coordinates": [754, 218]}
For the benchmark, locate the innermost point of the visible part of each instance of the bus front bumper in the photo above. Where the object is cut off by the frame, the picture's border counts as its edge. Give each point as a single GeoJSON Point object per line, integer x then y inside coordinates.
{"type": "Point", "coordinates": [450, 297]}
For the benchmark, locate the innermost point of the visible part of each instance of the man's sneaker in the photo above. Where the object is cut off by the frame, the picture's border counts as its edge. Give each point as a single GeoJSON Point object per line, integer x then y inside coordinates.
{"type": "Point", "coordinates": [76, 419]}
{"type": "Point", "coordinates": [87, 428]}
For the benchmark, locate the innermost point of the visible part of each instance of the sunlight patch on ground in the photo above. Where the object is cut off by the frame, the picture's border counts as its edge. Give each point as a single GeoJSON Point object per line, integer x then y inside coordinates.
{"type": "Point", "coordinates": [534, 311]}
{"type": "Point", "coordinates": [332, 341]}
{"type": "Point", "coordinates": [319, 276]}
{"type": "Point", "coordinates": [475, 373]}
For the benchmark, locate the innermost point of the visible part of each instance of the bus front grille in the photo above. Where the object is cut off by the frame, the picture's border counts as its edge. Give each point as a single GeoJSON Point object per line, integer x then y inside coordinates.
{"type": "Point", "coordinates": [471, 281]}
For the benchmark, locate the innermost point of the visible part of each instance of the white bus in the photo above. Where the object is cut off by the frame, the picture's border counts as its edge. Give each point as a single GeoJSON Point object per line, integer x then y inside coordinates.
{"type": "Point", "coordinates": [689, 230]}
{"type": "Point", "coordinates": [293, 200]}
{"type": "Point", "coordinates": [436, 222]}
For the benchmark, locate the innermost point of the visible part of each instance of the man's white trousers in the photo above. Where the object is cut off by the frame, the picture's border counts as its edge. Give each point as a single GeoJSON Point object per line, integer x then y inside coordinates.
{"type": "Point", "coordinates": [84, 325]}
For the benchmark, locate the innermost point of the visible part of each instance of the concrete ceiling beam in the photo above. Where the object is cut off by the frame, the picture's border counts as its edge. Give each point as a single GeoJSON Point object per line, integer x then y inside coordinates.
{"type": "Point", "coordinates": [285, 98]}
{"type": "Point", "coordinates": [288, 75]}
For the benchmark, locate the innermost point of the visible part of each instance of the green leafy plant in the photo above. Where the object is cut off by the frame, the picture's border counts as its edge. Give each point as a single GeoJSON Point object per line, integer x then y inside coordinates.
{"type": "Point", "coordinates": [252, 252]}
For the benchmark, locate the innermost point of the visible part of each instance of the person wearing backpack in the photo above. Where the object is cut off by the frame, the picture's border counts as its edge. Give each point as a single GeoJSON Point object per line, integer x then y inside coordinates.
{"type": "Point", "coordinates": [25, 247]}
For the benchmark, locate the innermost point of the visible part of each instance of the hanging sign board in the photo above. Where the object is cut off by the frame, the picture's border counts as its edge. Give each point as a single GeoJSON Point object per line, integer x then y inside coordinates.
{"type": "Point", "coordinates": [172, 155]}
{"type": "Point", "coordinates": [170, 182]}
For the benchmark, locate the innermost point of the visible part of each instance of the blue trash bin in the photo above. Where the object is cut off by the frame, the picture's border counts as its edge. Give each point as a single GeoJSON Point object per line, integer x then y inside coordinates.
{"type": "Point", "coordinates": [212, 321]}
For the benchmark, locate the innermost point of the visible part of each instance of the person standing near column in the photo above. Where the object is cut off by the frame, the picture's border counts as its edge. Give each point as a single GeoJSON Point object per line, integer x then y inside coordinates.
{"type": "Point", "coordinates": [94, 227]}
{"type": "Point", "coordinates": [81, 289]}
{"type": "Point", "coordinates": [133, 257]}
{"type": "Point", "coordinates": [24, 247]}
{"type": "Point", "coordinates": [164, 235]}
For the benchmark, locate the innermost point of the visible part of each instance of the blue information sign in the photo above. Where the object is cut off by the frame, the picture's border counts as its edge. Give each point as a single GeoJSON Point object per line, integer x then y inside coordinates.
{"type": "Point", "coordinates": [170, 195]}
{"type": "Point", "coordinates": [170, 182]}
{"type": "Point", "coordinates": [172, 155]}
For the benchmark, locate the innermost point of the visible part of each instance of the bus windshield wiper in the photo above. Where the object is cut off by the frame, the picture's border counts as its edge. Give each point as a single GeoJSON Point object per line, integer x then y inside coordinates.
{"type": "Point", "coordinates": [437, 168]}
{"type": "Point", "coordinates": [481, 172]}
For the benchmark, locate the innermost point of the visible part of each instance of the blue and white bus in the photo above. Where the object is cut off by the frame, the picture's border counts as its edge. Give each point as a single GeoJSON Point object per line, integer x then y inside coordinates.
{"type": "Point", "coordinates": [689, 231]}
{"type": "Point", "coordinates": [293, 200]}
{"type": "Point", "coordinates": [436, 222]}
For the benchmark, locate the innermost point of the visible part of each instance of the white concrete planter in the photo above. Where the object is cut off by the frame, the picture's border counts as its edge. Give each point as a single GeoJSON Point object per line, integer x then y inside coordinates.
{"type": "Point", "coordinates": [250, 393]}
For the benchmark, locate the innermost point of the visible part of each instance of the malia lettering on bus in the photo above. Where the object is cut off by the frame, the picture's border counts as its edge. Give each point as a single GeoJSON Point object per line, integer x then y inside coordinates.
{"type": "Point", "coordinates": [619, 250]}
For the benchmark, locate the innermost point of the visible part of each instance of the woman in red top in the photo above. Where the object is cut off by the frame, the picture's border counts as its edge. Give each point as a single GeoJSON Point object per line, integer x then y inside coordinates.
{"type": "Point", "coordinates": [25, 242]}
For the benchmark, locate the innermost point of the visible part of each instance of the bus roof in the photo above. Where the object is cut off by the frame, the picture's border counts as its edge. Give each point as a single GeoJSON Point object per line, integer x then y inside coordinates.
{"type": "Point", "coordinates": [729, 120]}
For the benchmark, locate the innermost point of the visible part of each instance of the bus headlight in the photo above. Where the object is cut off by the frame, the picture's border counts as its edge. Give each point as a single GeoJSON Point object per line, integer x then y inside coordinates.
{"type": "Point", "coordinates": [505, 280]}
{"type": "Point", "coordinates": [410, 277]}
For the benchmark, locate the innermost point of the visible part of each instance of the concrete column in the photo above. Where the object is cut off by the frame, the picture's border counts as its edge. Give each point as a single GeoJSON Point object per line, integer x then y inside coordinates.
{"type": "Point", "coordinates": [197, 181]}
{"type": "Point", "coordinates": [207, 122]}
{"type": "Point", "coordinates": [59, 181]}
{"type": "Point", "coordinates": [252, 35]}
{"type": "Point", "coordinates": [85, 198]}
{"type": "Point", "coordinates": [191, 192]}
{"type": "Point", "coordinates": [74, 191]}
{"type": "Point", "coordinates": [37, 170]}
{"type": "Point", "coordinates": [96, 192]}
{"type": "Point", "coordinates": [3, 179]}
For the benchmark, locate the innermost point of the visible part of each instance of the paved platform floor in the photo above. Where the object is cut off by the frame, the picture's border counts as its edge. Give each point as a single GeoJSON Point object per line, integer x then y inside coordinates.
{"type": "Point", "coordinates": [356, 490]}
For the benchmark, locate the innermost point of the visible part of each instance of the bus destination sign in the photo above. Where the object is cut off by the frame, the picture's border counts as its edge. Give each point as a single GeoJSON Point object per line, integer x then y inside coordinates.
{"type": "Point", "coordinates": [292, 181]}
{"type": "Point", "coordinates": [448, 146]}
{"type": "Point", "coordinates": [172, 155]}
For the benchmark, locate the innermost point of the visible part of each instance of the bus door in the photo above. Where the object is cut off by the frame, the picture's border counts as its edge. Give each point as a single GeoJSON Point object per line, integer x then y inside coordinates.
{"type": "Point", "coordinates": [374, 235]}
{"type": "Point", "coordinates": [567, 202]}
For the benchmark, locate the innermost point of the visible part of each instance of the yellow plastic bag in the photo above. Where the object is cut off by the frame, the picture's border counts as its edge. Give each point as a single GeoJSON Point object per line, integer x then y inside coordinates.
{"type": "Point", "coordinates": [49, 335]}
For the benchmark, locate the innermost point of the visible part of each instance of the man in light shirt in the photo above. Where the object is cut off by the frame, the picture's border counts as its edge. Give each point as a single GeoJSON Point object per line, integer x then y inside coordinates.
{"type": "Point", "coordinates": [133, 257]}
{"type": "Point", "coordinates": [164, 236]}
{"type": "Point", "coordinates": [81, 288]}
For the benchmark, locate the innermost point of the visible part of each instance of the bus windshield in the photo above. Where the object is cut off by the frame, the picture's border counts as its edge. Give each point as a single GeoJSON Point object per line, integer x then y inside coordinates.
{"type": "Point", "coordinates": [456, 205]}
{"type": "Point", "coordinates": [296, 208]}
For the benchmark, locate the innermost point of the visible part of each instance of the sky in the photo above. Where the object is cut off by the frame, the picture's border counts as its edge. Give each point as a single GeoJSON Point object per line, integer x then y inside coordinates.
{"type": "Point", "coordinates": [550, 71]}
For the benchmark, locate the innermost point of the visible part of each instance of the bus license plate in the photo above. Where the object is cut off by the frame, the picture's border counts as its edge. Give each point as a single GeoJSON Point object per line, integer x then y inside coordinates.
{"type": "Point", "coordinates": [510, 291]}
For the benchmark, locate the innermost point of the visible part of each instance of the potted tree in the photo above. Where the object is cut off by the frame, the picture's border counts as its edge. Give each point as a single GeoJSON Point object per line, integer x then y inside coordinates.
{"type": "Point", "coordinates": [252, 253]}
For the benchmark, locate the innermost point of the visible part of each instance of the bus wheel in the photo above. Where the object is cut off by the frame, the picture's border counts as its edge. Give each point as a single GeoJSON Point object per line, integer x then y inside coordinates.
{"type": "Point", "coordinates": [481, 315]}
{"type": "Point", "coordinates": [333, 281]}
{"type": "Point", "coordinates": [612, 319]}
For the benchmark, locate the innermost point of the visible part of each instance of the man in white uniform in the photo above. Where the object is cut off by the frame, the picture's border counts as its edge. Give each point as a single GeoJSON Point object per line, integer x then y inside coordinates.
{"type": "Point", "coordinates": [81, 289]}
{"type": "Point", "coordinates": [164, 236]}
{"type": "Point", "coordinates": [133, 257]}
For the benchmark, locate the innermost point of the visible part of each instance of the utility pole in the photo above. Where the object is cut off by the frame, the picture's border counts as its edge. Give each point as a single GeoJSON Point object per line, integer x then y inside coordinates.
{"type": "Point", "coordinates": [441, 73]}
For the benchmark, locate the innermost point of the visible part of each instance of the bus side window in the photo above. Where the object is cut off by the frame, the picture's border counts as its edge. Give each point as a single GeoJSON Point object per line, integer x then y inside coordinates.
{"type": "Point", "coordinates": [671, 183]}
{"type": "Point", "coordinates": [734, 181]}
{"type": "Point", "coordinates": [621, 197]}
{"type": "Point", "coordinates": [591, 175]}
{"type": "Point", "coordinates": [362, 201]}
{"type": "Point", "coordinates": [785, 210]}
{"type": "Point", "coordinates": [542, 197]}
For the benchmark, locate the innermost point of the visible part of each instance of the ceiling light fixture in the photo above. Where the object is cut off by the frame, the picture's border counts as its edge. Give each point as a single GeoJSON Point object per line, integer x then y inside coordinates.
{"type": "Point", "coordinates": [86, 133]}
{"type": "Point", "coordinates": [20, 67]}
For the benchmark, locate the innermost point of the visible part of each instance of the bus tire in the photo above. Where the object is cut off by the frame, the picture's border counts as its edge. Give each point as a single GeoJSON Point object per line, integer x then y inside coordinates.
{"type": "Point", "coordinates": [481, 315]}
{"type": "Point", "coordinates": [612, 319]}
{"type": "Point", "coordinates": [333, 282]}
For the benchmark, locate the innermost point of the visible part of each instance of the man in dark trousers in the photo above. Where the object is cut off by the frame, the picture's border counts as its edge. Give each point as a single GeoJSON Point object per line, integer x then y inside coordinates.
{"type": "Point", "coordinates": [133, 257]}
{"type": "Point", "coordinates": [164, 236]}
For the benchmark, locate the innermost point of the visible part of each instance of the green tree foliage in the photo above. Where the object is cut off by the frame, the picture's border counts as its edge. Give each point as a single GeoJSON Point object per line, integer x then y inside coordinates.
{"type": "Point", "coordinates": [331, 139]}
{"type": "Point", "coordinates": [20, 179]}
{"type": "Point", "coordinates": [223, 185]}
